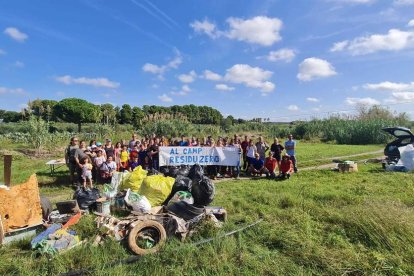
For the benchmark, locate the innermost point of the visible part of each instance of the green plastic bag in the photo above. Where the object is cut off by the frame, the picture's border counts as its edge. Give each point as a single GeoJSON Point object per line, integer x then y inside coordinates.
{"type": "Point", "coordinates": [134, 180]}
{"type": "Point", "coordinates": [156, 189]}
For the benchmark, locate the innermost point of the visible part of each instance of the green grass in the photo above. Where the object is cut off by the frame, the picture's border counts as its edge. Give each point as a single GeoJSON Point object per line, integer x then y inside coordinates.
{"type": "Point", "coordinates": [312, 154]}
{"type": "Point", "coordinates": [318, 222]}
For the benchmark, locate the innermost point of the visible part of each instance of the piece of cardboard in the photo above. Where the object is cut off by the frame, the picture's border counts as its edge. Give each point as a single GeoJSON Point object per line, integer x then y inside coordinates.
{"type": "Point", "coordinates": [20, 205]}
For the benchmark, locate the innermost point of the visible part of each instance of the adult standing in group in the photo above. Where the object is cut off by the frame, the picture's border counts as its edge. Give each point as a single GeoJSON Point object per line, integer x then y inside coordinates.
{"type": "Point", "coordinates": [69, 157]}
{"type": "Point", "coordinates": [154, 154]}
{"type": "Point", "coordinates": [262, 147]}
{"type": "Point", "coordinates": [290, 146]}
{"type": "Point", "coordinates": [109, 149]}
{"type": "Point", "coordinates": [251, 153]}
{"type": "Point", "coordinates": [78, 155]}
{"type": "Point", "coordinates": [277, 149]}
{"type": "Point", "coordinates": [134, 141]}
{"type": "Point", "coordinates": [244, 146]}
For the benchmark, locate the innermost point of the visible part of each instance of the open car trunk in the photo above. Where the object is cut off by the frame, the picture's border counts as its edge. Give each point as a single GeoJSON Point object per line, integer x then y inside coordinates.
{"type": "Point", "coordinates": [403, 136]}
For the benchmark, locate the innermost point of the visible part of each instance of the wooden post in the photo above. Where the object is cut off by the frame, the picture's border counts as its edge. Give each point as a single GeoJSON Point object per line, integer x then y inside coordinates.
{"type": "Point", "coordinates": [7, 170]}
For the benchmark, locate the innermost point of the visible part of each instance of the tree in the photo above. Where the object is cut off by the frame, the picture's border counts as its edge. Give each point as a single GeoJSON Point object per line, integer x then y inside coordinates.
{"type": "Point", "coordinates": [126, 114]}
{"type": "Point", "coordinates": [108, 113]}
{"type": "Point", "coordinates": [77, 111]}
{"type": "Point", "coordinates": [137, 116]}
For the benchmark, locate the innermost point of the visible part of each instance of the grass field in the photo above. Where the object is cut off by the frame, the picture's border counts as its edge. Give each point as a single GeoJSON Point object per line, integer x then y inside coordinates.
{"type": "Point", "coordinates": [318, 222]}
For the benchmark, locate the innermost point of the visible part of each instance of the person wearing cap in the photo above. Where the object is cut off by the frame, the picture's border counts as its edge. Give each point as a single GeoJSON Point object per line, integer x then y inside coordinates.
{"type": "Point", "coordinates": [286, 167]}
{"type": "Point", "coordinates": [290, 146]}
{"type": "Point", "coordinates": [257, 166]}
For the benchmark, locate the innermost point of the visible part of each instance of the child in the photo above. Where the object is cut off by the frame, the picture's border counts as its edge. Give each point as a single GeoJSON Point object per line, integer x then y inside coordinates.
{"type": "Point", "coordinates": [133, 164]}
{"type": "Point", "coordinates": [286, 167]}
{"type": "Point", "coordinates": [124, 158]}
{"type": "Point", "coordinates": [87, 173]}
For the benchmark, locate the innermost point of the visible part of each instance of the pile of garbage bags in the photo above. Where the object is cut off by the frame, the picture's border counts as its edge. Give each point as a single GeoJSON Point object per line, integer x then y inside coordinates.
{"type": "Point", "coordinates": [184, 190]}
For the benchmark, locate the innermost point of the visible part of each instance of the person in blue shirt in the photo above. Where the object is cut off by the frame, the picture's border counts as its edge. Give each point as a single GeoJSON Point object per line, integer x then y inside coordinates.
{"type": "Point", "coordinates": [257, 166]}
{"type": "Point", "coordinates": [183, 142]}
{"type": "Point", "coordinates": [290, 146]}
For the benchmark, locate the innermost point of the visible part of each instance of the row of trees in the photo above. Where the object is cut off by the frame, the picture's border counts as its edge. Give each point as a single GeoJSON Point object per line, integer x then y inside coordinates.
{"type": "Point", "coordinates": [80, 111]}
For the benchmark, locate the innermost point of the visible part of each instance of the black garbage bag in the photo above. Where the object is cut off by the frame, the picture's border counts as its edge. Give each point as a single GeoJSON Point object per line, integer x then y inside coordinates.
{"type": "Point", "coordinates": [172, 172]}
{"type": "Point", "coordinates": [153, 172]}
{"type": "Point", "coordinates": [196, 172]}
{"type": "Point", "coordinates": [86, 198]}
{"type": "Point", "coordinates": [202, 191]}
{"type": "Point", "coordinates": [184, 210]}
{"type": "Point", "coordinates": [181, 183]}
{"type": "Point", "coordinates": [165, 170]}
{"type": "Point", "coordinates": [183, 170]}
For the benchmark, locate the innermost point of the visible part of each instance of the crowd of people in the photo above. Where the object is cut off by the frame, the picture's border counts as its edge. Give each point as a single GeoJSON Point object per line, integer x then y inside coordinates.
{"type": "Point", "coordinates": [97, 161]}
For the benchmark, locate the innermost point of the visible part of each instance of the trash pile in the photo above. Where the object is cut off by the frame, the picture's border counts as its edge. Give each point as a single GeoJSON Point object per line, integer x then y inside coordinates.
{"type": "Point", "coordinates": [57, 238]}
{"type": "Point", "coordinates": [161, 204]}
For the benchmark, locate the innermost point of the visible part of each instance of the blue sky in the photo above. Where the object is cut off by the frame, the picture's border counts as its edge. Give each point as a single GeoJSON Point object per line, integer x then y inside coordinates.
{"type": "Point", "coordinates": [277, 59]}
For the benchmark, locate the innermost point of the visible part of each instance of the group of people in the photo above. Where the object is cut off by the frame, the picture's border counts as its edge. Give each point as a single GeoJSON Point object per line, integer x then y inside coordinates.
{"type": "Point", "coordinates": [97, 161]}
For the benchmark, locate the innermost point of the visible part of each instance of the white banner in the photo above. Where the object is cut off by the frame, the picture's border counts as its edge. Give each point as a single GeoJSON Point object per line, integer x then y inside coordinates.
{"type": "Point", "coordinates": [221, 156]}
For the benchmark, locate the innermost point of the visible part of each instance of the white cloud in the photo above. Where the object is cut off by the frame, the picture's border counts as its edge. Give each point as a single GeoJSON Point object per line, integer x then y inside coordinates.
{"type": "Point", "coordinates": [403, 2]}
{"type": "Point", "coordinates": [339, 46]}
{"type": "Point", "coordinates": [293, 107]}
{"type": "Point", "coordinates": [161, 69]}
{"type": "Point", "coordinates": [361, 101]}
{"type": "Point", "coordinates": [314, 68]}
{"type": "Point", "coordinates": [312, 100]}
{"type": "Point", "coordinates": [186, 88]}
{"type": "Point", "coordinates": [411, 23]}
{"type": "Point", "coordinates": [224, 87]}
{"type": "Point", "coordinates": [389, 86]}
{"type": "Point", "coordinates": [285, 54]}
{"type": "Point", "coordinates": [316, 109]}
{"type": "Point", "coordinates": [2, 52]}
{"type": "Point", "coordinates": [400, 97]}
{"type": "Point", "coordinates": [188, 78]}
{"type": "Point", "coordinates": [15, 34]}
{"type": "Point", "coordinates": [96, 82]}
{"type": "Point", "coordinates": [179, 93]}
{"type": "Point", "coordinates": [165, 98]}
{"type": "Point", "coordinates": [12, 91]}
{"type": "Point", "coordinates": [260, 30]}
{"type": "Point", "coordinates": [209, 75]}
{"type": "Point", "coordinates": [254, 77]}
{"type": "Point", "coordinates": [19, 64]}
{"type": "Point", "coordinates": [205, 27]}
{"type": "Point", "coordinates": [394, 40]}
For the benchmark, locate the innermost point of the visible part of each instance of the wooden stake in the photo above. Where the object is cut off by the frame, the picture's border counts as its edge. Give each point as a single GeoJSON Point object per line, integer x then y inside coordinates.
{"type": "Point", "coordinates": [7, 170]}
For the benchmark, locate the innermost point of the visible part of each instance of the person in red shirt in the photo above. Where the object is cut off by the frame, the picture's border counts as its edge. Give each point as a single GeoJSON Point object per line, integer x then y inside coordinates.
{"type": "Point", "coordinates": [270, 165]}
{"type": "Point", "coordinates": [286, 167]}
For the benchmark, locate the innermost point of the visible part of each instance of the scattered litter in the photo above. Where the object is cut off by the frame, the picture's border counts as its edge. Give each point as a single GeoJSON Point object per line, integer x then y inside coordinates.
{"type": "Point", "coordinates": [156, 188]}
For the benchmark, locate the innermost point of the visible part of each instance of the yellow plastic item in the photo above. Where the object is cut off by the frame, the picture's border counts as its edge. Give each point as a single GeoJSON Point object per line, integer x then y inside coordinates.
{"type": "Point", "coordinates": [134, 180]}
{"type": "Point", "coordinates": [156, 188]}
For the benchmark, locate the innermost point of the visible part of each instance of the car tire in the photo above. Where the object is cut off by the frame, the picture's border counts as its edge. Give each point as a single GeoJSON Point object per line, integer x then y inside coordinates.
{"type": "Point", "coordinates": [149, 227]}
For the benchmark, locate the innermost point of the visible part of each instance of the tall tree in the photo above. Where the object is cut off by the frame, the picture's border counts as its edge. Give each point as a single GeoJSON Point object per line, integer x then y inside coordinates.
{"type": "Point", "coordinates": [108, 113]}
{"type": "Point", "coordinates": [126, 114]}
{"type": "Point", "coordinates": [77, 111]}
{"type": "Point", "coordinates": [137, 116]}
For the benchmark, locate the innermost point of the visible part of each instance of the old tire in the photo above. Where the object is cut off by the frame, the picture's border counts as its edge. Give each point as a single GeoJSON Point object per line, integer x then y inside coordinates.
{"type": "Point", "coordinates": [46, 207]}
{"type": "Point", "coordinates": [146, 237]}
